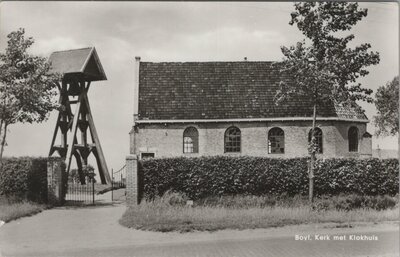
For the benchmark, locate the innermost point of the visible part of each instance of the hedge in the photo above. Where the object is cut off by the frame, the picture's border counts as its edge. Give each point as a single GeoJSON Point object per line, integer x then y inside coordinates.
{"type": "Point", "coordinates": [361, 176]}
{"type": "Point", "coordinates": [220, 175]}
{"type": "Point", "coordinates": [24, 178]}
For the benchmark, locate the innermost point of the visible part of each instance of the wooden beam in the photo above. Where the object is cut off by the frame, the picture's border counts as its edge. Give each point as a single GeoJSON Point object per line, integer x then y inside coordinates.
{"type": "Point", "coordinates": [64, 114]}
{"type": "Point", "coordinates": [68, 107]}
{"type": "Point", "coordinates": [102, 177]}
{"type": "Point", "coordinates": [58, 85]}
{"type": "Point", "coordinates": [88, 85]}
{"type": "Point", "coordinates": [80, 170]}
{"type": "Point", "coordinates": [53, 140]}
{"type": "Point", "coordinates": [83, 125]}
{"type": "Point", "coordinates": [54, 135]}
{"type": "Point", "coordinates": [98, 152]}
{"type": "Point", "coordinates": [73, 134]}
{"type": "Point", "coordinates": [61, 150]}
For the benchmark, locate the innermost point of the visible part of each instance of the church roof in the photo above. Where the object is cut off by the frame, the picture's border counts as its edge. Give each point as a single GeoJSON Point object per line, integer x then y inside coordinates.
{"type": "Point", "coordinates": [220, 91]}
{"type": "Point", "coordinates": [82, 62]}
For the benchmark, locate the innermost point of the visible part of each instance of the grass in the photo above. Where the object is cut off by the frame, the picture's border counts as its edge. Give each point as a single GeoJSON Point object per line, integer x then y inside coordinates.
{"type": "Point", "coordinates": [109, 188]}
{"type": "Point", "coordinates": [12, 211]}
{"type": "Point", "coordinates": [169, 214]}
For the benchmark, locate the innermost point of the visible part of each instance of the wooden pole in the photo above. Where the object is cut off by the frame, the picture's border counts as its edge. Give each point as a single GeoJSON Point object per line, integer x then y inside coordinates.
{"type": "Point", "coordinates": [312, 161]}
{"type": "Point", "coordinates": [97, 150]}
{"type": "Point", "coordinates": [56, 128]}
{"type": "Point", "coordinates": [112, 184]}
{"type": "Point", "coordinates": [78, 159]}
{"type": "Point", "coordinates": [74, 129]}
{"type": "Point", "coordinates": [93, 189]}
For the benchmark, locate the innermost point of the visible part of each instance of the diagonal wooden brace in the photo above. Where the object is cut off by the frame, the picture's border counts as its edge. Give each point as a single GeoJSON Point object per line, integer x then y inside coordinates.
{"type": "Point", "coordinates": [74, 129]}
{"type": "Point", "coordinates": [98, 152]}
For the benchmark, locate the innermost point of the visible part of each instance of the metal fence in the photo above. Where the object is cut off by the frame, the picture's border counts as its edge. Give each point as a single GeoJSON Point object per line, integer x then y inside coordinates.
{"type": "Point", "coordinates": [78, 193]}
{"type": "Point", "coordinates": [118, 180]}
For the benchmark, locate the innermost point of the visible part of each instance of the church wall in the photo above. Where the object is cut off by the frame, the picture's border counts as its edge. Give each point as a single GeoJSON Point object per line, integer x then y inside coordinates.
{"type": "Point", "coordinates": [166, 140]}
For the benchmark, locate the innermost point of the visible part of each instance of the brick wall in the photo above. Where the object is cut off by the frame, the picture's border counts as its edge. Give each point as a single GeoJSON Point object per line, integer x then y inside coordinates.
{"type": "Point", "coordinates": [132, 185]}
{"type": "Point", "coordinates": [55, 187]}
{"type": "Point", "coordinates": [165, 140]}
{"type": "Point", "coordinates": [342, 140]}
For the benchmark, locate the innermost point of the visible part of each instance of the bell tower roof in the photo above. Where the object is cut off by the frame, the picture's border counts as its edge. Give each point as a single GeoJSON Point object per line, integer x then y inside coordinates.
{"type": "Point", "coordinates": [82, 63]}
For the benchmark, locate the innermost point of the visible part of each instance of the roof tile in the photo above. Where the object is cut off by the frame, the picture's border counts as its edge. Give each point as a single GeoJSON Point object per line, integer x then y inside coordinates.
{"type": "Point", "coordinates": [221, 90]}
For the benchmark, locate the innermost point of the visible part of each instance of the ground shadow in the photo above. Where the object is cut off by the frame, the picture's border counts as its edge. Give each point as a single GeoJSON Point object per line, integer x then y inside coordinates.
{"type": "Point", "coordinates": [81, 205]}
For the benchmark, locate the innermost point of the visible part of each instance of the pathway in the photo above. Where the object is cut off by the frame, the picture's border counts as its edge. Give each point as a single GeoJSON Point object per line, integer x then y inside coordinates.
{"type": "Point", "coordinates": [94, 231]}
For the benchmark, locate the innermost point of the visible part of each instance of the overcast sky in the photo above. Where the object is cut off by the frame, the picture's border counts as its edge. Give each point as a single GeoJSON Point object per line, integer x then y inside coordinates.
{"type": "Point", "coordinates": [175, 31]}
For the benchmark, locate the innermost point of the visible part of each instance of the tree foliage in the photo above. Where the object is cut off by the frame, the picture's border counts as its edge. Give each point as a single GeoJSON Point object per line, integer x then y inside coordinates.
{"type": "Point", "coordinates": [27, 87]}
{"type": "Point", "coordinates": [387, 104]}
{"type": "Point", "coordinates": [87, 173]}
{"type": "Point", "coordinates": [323, 66]}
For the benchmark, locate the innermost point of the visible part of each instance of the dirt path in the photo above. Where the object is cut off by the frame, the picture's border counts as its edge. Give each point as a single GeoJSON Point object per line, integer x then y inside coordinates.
{"type": "Point", "coordinates": [94, 231]}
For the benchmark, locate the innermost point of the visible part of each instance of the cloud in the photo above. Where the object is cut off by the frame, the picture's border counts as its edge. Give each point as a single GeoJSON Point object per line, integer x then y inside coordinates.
{"type": "Point", "coordinates": [220, 44]}
{"type": "Point", "coordinates": [47, 46]}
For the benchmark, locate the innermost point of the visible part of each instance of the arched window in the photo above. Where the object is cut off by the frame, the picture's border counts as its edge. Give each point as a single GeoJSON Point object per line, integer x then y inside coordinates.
{"type": "Point", "coordinates": [190, 140]}
{"type": "Point", "coordinates": [232, 140]}
{"type": "Point", "coordinates": [318, 138]}
{"type": "Point", "coordinates": [353, 139]}
{"type": "Point", "coordinates": [276, 141]}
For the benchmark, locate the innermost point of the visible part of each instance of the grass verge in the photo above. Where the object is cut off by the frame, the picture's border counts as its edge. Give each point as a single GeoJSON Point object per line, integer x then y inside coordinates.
{"type": "Point", "coordinates": [161, 215]}
{"type": "Point", "coordinates": [12, 211]}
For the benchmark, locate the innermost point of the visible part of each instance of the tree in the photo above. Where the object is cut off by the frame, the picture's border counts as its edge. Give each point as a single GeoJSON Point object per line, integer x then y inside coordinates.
{"type": "Point", "coordinates": [322, 67]}
{"type": "Point", "coordinates": [387, 104]}
{"type": "Point", "coordinates": [27, 88]}
{"type": "Point", "coordinates": [86, 175]}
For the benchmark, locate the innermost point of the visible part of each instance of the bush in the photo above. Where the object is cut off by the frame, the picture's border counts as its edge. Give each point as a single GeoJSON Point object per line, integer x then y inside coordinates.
{"type": "Point", "coordinates": [169, 213]}
{"type": "Point", "coordinates": [252, 201]}
{"type": "Point", "coordinates": [12, 211]}
{"type": "Point", "coordinates": [382, 202]}
{"type": "Point", "coordinates": [24, 178]}
{"type": "Point", "coordinates": [353, 201]}
{"type": "Point", "coordinates": [242, 202]}
{"type": "Point", "coordinates": [360, 176]}
{"type": "Point", "coordinates": [322, 203]}
{"type": "Point", "coordinates": [203, 177]}
{"type": "Point", "coordinates": [172, 198]}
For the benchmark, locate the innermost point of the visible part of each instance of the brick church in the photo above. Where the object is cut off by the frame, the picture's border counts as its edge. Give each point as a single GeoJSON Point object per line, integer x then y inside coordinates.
{"type": "Point", "coordinates": [227, 108]}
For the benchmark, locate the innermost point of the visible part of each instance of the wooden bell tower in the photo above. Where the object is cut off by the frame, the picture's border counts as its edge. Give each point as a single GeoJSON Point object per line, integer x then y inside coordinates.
{"type": "Point", "coordinates": [78, 68]}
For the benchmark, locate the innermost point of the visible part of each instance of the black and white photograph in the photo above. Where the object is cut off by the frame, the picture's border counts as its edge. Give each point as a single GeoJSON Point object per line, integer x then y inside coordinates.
{"type": "Point", "coordinates": [199, 128]}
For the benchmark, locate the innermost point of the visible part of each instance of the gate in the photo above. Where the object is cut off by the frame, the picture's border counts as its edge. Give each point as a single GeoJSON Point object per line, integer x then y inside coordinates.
{"type": "Point", "coordinates": [78, 193]}
{"type": "Point", "coordinates": [118, 180]}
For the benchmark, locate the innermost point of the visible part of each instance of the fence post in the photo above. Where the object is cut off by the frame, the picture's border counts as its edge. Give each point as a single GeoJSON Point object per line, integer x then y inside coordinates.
{"type": "Point", "coordinates": [132, 188]}
{"type": "Point", "coordinates": [93, 193]}
{"type": "Point", "coordinates": [55, 188]}
{"type": "Point", "coordinates": [112, 185]}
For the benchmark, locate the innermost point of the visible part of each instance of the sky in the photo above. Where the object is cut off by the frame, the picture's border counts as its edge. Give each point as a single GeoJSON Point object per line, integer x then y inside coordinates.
{"type": "Point", "coordinates": [172, 31]}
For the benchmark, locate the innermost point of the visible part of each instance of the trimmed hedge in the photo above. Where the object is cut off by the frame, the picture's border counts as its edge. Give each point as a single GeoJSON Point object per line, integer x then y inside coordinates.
{"type": "Point", "coordinates": [24, 178]}
{"type": "Point", "coordinates": [221, 175]}
{"type": "Point", "coordinates": [360, 176]}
